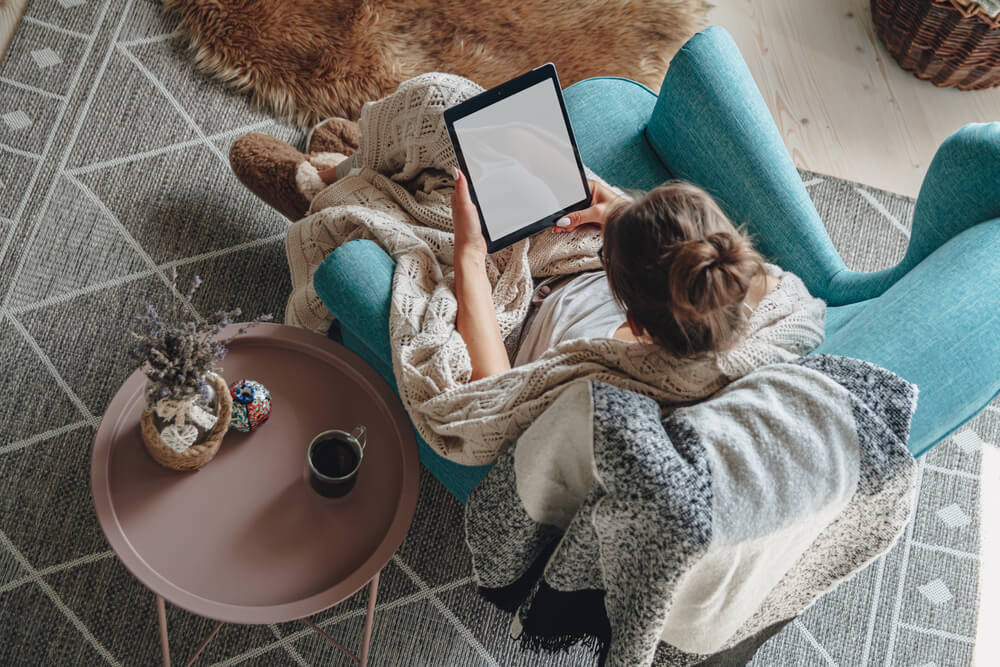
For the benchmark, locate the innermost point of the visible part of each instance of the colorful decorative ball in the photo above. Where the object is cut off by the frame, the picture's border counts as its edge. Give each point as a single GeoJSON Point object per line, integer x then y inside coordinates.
{"type": "Point", "coordinates": [251, 405]}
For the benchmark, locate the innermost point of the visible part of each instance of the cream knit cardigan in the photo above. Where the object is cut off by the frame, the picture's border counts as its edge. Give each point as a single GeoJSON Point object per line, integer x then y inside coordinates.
{"type": "Point", "coordinates": [400, 198]}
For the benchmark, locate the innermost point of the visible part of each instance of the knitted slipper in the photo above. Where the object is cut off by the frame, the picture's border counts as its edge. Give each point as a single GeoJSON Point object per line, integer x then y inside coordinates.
{"type": "Point", "coordinates": [334, 135]}
{"type": "Point", "coordinates": [283, 177]}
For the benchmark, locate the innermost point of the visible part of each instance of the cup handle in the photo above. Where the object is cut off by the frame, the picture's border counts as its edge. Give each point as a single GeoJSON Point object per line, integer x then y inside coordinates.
{"type": "Point", "coordinates": [360, 433]}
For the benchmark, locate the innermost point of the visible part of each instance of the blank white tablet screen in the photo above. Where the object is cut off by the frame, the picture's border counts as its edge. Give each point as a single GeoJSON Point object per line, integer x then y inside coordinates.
{"type": "Point", "coordinates": [520, 159]}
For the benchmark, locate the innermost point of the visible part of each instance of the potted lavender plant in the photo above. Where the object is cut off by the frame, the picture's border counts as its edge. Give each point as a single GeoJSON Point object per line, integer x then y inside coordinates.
{"type": "Point", "coordinates": [188, 405]}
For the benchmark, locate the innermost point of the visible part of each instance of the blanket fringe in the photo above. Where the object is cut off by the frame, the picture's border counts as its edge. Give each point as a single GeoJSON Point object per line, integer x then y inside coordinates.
{"type": "Point", "coordinates": [563, 643]}
{"type": "Point", "coordinates": [555, 621]}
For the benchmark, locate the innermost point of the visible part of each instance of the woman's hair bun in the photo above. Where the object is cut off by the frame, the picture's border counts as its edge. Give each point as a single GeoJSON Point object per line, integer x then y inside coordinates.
{"type": "Point", "coordinates": [709, 273]}
{"type": "Point", "coordinates": [680, 268]}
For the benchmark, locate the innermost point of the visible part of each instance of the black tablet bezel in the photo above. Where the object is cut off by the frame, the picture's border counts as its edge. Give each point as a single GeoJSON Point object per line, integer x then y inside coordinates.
{"type": "Point", "coordinates": [491, 96]}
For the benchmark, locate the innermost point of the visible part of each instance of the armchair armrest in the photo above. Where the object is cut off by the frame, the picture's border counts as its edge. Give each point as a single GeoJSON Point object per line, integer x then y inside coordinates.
{"type": "Point", "coordinates": [355, 283]}
{"type": "Point", "coordinates": [936, 327]}
{"type": "Point", "coordinates": [959, 192]}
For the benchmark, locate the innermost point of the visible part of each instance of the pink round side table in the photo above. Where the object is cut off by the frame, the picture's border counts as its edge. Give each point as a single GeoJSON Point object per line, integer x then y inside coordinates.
{"type": "Point", "coordinates": [244, 539]}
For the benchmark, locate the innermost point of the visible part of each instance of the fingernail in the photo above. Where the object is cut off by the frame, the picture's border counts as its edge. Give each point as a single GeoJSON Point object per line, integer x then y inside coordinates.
{"type": "Point", "coordinates": [562, 222]}
{"type": "Point", "coordinates": [456, 173]}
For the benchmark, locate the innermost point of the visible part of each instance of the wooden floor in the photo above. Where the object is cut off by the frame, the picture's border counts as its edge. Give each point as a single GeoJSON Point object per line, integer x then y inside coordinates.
{"type": "Point", "coordinates": [10, 14]}
{"type": "Point", "coordinates": [843, 105]}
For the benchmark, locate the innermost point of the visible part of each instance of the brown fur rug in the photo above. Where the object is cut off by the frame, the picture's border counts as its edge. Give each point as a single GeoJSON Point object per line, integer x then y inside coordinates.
{"type": "Point", "coordinates": [311, 59]}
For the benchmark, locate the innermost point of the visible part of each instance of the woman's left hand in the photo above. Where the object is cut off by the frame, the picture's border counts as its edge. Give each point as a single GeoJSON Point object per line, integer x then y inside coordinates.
{"type": "Point", "coordinates": [603, 201]}
{"type": "Point", "coordinates": [468, 233]}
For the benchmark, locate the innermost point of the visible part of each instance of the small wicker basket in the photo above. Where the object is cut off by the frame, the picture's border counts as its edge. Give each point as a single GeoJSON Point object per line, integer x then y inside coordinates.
{"type": "Point", "coordinates": [951, 43]}
{"type": "Point", "coordinates": [196, 456]}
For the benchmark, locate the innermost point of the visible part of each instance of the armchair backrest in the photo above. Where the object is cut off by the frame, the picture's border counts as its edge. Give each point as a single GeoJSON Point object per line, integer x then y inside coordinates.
{"type": "Point", "coordinates": [711, 126]}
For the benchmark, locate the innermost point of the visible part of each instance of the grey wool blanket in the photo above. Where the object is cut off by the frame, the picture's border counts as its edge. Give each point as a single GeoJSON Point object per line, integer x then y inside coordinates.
{"type": "Point", "coordinates": [692, 537]}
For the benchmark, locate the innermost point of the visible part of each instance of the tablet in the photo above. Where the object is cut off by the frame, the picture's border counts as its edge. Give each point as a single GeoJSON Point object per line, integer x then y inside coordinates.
{"type": "Point", "coordinates": [515, 145]}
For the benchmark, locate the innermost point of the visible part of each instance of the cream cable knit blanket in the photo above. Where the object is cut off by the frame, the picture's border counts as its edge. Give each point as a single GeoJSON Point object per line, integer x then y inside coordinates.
{"type": "Point", "coordinates": [400, 198]}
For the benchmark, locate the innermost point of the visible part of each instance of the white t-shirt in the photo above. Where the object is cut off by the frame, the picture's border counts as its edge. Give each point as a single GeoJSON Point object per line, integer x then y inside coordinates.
{"type": "Point", "coordinates": [583, 307]}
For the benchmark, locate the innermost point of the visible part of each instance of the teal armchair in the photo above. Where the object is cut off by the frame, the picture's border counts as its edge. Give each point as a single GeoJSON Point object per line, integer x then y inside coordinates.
{"type": "Point", "coordinates": [932, 319]}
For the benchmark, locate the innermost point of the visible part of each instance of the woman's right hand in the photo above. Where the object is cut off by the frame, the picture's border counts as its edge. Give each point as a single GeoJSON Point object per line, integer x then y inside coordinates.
{"type": "Point", "coordinates": [602, 202]}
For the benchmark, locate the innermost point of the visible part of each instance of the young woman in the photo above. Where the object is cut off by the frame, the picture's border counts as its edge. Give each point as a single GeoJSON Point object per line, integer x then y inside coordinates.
{"type": "Point", "coordinates": [677, 274]}
{"type": "Point", "coordinates": [678, 278]}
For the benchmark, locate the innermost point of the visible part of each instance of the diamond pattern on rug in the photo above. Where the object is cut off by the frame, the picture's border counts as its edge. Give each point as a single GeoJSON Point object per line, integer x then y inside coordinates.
{"type": "Point", "coordinates": [142, 119]}
{"type": "Point", "coordinates": [953, 516]}
{"type": "Point", "coordinates": [183, 203]}
{"type": "Point", "coordinates": [953, 457]}
{"type": "Point", "coordinates": [939, 589]}
{"type": "Point", "coordinates": [86, 343]}
{"type": "Point", "coordinates": [43, 57]}
{"type": "Point", "coordinates": [211, 107]}
{"type": "Point", "coordinates": [44, 501]}
{"type": "Point", "coordinates": [26, 127]}
{"type": "Point", "coordinates": [16, 120]}
{"type": "Point", "coordinates": [78, 245]}
{"type": "Point", "coordinates": [77, 15]}
{"type": "Point", "coordinates": [15, 175]}
{"type": "Point", "coordinates": [936, 592]}
{"type": "Point", "coordinates": [46, 58]}
{"type": "Point", "coordinates": [986, 426]}
{"type": "Point", "coordinates": [942, 489]}
{"type": "Point", "coordinates": [36, 633]}
{"type": "Point", "coordinates": [968, 441]}
{"type": "Point", "coordinates": [25, 376]}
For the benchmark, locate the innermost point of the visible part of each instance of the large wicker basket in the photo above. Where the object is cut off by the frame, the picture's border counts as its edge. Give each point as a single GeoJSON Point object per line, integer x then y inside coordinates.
{"type": "Point", "coordinates": [952, 43]}
{"type": "Point", "coordinates": [196, 456]}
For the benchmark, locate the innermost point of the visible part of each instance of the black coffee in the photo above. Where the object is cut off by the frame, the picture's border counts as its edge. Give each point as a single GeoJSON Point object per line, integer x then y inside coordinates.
{"type": "Point", "coordinates": [333, 465]}
{"type": "Point", "coordinates": [334, 456]}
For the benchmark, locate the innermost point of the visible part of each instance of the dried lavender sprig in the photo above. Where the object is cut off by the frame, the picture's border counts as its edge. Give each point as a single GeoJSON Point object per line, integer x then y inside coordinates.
{"type": "Point", "coordinates": [176, 349]}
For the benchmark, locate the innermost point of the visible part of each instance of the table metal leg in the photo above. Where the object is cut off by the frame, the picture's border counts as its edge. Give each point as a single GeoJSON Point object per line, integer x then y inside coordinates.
{"type": "Point", "coordinates": [161, 612]}
{"type": "Point", "coordinates": [330, 639]}
{"type": "Point", "coordinates": [204, 644]}
{"type": "Point", "coordinates": [369, 619]}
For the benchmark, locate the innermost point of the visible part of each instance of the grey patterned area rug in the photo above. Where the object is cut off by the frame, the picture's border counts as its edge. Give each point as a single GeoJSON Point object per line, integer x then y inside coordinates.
{"type": "Point", "coordinates": [113, 170]}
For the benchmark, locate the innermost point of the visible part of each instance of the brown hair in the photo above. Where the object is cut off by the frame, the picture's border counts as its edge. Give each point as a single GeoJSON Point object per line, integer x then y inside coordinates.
{"type": "Point", "coordinates": [680, 268]}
